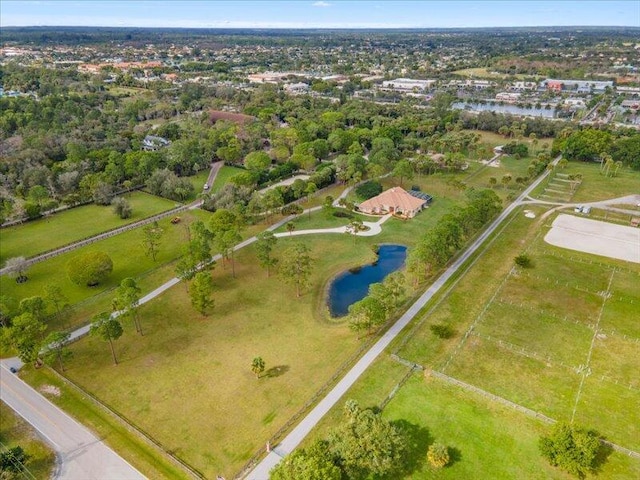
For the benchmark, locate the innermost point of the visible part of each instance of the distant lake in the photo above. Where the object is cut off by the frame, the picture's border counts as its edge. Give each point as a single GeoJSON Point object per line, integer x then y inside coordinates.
{"type": "Point", "coordinates": [353, 285]}
{"type": "Point", "coordinates": [512, 109]}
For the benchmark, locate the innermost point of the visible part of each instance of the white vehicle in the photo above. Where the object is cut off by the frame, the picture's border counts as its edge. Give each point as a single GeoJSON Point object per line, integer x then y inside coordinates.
{"type": "Point", "coordinates": [578, 209]}
{"type": "Point", "coordinates": [206, 186]}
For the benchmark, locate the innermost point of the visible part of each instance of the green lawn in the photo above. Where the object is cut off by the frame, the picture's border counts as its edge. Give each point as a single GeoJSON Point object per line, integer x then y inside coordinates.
{"type": "Point", "coordinates": [132, 447]}
{"type": "Point", "coordinates": [75, 224]}
{"type": "Point", "coordinates": [14, 431]}
{"type": "Point", "coordinates": [129, 260]}
{"type": "Point", "coordinates": [184, 355]}
{"type": "Point", "coordinates": [595, 186]}
{"type": "Point", "coordinates": [225, 173]}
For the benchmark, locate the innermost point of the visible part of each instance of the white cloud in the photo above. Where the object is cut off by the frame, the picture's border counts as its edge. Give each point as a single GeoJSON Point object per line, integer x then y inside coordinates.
{"type": "Point", "coordinates": [321, 4]}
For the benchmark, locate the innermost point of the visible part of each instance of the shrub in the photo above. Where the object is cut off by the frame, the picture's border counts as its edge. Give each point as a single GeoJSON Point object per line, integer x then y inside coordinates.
{"type": "Point", "coordinates": [523, 260]}
{"type": "Point", "coordinates": [89, 269]}
{"type": "Point", "coordinates": [438, 455]}
{"type": "Point", "coordinates": [571, 448]}
{"type": "Point", "coordinates": [369, 189]}
{"type": "Point", "coordinates": [32, 210]}
{"type": "Point", "coordinates": [441, 330]}
{"type": "Point", "coordinates": [342, 214]}
{"type": "Point", "coordinates": [121, 207]}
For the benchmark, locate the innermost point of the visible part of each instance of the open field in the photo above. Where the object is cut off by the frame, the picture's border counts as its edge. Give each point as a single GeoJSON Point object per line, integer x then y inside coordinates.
{"type": "Point", "coordinates": [146, 458]}
{"type": "Point", "coordinates": [495, 139]}
{"type": "Point", "coordinates": [121, 248]}
{"type": "Point", "coordinates": [482, 72]}
{"type": "Point", "coordinates": [540, 333]}
{"type": "Point", "coordinates": [14, 431]}
{"type": "Point", "coordinates": [184, 355]}
{"type": "Point", "coordinates": [595, 186]}
{"type": "Point", "coordinates": [38, 236]}
{"type": "Point", "coordinates": [531, 336]}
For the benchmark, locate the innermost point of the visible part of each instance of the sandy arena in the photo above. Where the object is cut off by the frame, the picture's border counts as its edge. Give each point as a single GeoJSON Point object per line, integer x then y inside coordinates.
{"type": "Point", "coordinates": [593, 236]}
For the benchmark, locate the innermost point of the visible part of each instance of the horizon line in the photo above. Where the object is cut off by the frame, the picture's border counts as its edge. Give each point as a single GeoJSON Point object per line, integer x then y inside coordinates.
{"type": "Point", "coordinates": [222, 27]}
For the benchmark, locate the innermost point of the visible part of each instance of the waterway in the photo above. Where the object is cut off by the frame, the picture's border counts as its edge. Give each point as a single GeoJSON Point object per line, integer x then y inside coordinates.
{"type": "Point", "coordinates": [512, 109]}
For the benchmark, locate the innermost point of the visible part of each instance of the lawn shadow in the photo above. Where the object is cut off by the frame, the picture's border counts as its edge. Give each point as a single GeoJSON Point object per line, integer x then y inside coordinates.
{"type": "Point", "coordinates": [419, 439]}
{"type": "Point", "coordinates": [455, 455]}
{"type": "Point", "coordinates": [602, 456]}
{"type": "Point", "coordinates": [276, 371]}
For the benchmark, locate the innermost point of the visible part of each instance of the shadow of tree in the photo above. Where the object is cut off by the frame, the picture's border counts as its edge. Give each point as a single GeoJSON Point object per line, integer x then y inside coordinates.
{"type": "Point", "coordinates": [455, 455]}
{"type": "Point", "coordinates": [419, 438]}
{"type": "Point", "coordinates": [601, 457]}
{"type": "Point", "coordinates": [276, 371]}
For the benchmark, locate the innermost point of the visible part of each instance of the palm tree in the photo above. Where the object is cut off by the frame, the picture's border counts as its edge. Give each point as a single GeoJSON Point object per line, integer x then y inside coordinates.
{"type": "Point", "coordinates": [257, 366]}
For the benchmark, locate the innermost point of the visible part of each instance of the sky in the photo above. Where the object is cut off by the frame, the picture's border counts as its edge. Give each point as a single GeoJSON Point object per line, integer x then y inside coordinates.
{"type": "Point", "coordinates": [320, 13]}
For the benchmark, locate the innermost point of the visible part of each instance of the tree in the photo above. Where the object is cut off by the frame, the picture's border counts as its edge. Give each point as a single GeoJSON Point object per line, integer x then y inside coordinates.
{"type": "Point", "coordinates": [38, 194]}
{"type": "Point", "coordinates": [107, 327]}
{"type": "Point", "coordinates": [127, 300]}
{"type": "Point", "coordinates": [310, 190]}
{"type": "Point", "coordinates": [366, 314]}
{"type": "Point", "coordinates": [12, 461]}
{"type": "Point", "coordinates": [257, 161]}
{"type": "Point", "coordinates": [296, 266]}
{"type": "Point", "coordinates": [225, 234]}
{"type": "Point", "coordinates": [17, 267]}
{"type": "Point", "coordinates": [152, 235]}
{"type": "Point", "coordinates": [257, 366]}
{"type": "Point", "coordinates": [55, 347]}
{"type": "Point", "coordinates": [402, 170]}
{"type": "Point", "coordinates": [25, 335]}
{"type": "Point", "coordinates": [200, 292]}
{"type": "Point", "coordinates": [121, 207]}
{"type": "Point", "coordinates": [264, 247]}
{"type": "Point", "coordinates": [523, 260]}
{"type": "Point", "coordinates": [367, 445]}
{"type": "Point", "coordinates": [290, 227]}
{"type": "Point", "coordinates": [572, 448]}
{"type": "Point", "coordinates": [312, 463]}
{"type": "Point", "coordinates": [506, 179]}
{"type": "Point", "coordinates": [89, 269]}
{"type": "Point", "coordinates": [438, 455]}
{"type": "Point", "coordinates": [35, 305]}
{"type": "Point", "coordinates": [55, 299]}
{"type": "Point", "coordinates": [102, 193]}
{"type": "Point", "coordinates": [493, 181]}
{"type": "Point", "coordinates": [369, 189]}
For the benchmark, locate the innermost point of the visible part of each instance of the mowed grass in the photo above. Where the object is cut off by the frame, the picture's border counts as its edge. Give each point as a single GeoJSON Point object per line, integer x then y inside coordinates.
{"type": "Point", "coordinates": [595, 186]}
{"type": "Point", "coordinates": [224, 174]}
{"type": "Point", "coordinates": [621, 310]}
{"type": "Point", "coordinates": [229, 413]}
{"type": "Point", "coordinates": [14, 431]}
{"type": "Point", "coordinates": [71, 225]}
{"type": "Point", "coordinates": [126, 251]}
{"type": "Point", "coordinates": [148, 459]}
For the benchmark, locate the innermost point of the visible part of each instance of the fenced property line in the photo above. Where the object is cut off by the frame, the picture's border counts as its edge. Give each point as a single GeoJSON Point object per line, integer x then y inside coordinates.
{"type": "Point", "coordinates": [21, 467]}
{"type": "Point", "coordinates": [587, 364]}
{"type": "Point", "coordinates": [541, 311]}
{"type": "Point", "coordinates": [558, 282]}
{"type": "Point", "coordinates": [409, 335]}
{"type": "Point", "coordinates": [486, 306]}
{"type": "Point", "coordinates": [518, 350]}
{"type": "Point", "coordinates": [399, 385]}
{"type": "Point", "coordinates": [275, 438]}
{"type": "Point", "coordinates": [491, 397]}
{"type": "Point", "coordinates": [606, 266]}
{"type": "Point", "coordinates": [527, 411]}
{"type": "Point", "coordinates": [48, 213]}
{"type": "Point", "coordinates": [195, 473]}
{"type": "Point", "coordinates": [615, 381]}
{"type": "Point", "coordinates": [101, 236]}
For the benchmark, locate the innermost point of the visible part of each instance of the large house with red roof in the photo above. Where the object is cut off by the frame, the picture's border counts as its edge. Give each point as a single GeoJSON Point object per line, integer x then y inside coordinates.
{"type": "Point", "coordinates": [396, 201]}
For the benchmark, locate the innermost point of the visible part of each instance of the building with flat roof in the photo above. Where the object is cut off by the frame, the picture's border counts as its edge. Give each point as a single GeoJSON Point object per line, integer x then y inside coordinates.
{"type": "Point", "coordinates": [408, 84]}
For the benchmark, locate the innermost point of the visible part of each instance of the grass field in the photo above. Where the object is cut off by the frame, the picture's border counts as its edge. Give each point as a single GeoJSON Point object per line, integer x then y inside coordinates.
{"type": "Point", "coordinates": [595, 186]}
{"type": "Point", "coordinates": [225, 173]}
{"type": "Point", "coordinates": [481, 72]}
{"type": "Point", "coordinates": [14, 431]}
{"type": "Point", "coordinates": [184, 355]}
{"type": "Point", "coordinates": [146, 458]}
{"type": "Point", "coordinates": [530, 341]}
{"type": "Point", "coordinates": [35, 237]}
{"type": "Point", "coordinates": [121, 248]}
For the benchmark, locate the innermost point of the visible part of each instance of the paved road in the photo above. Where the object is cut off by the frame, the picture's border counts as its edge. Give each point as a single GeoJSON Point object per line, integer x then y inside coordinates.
{"type": "Point", "coordinates": [291, 441]}
{"type": "Point", "coordinates": [81, 455]}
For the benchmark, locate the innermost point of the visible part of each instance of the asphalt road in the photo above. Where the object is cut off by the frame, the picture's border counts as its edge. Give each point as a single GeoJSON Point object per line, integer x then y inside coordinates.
{"type": "Point", "coordinates": [80, 454]}
{"type": "Point", "coordinates": [291, 441]}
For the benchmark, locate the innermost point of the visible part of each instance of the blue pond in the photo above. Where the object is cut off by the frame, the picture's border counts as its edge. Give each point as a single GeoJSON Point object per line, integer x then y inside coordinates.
{"type": "Point", "coordinates": [353, 285]}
